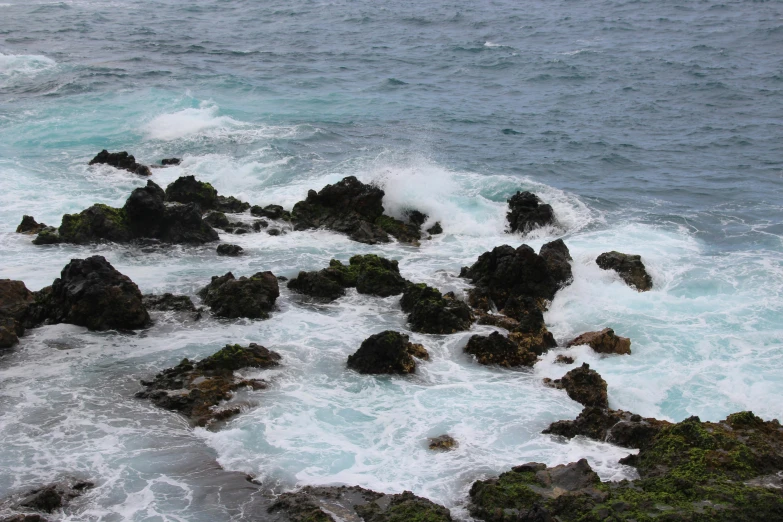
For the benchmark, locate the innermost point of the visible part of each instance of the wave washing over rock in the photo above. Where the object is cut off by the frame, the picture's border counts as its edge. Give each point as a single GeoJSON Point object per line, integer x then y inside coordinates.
{"type": "Point", "coordinates": [384, 348]}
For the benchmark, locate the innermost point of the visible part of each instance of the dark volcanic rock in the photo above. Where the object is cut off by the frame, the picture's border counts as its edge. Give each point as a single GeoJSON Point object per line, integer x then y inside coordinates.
{"type": "Point", "coordinates": [252, 297]}
{"type": "Point", "coordinates": [29, 226]}
{"type": "Point", "coordinates": [531, 334]}
{"type": "Point", "coordinates": [187, 189]}
{"type": "Point", "coordinates": [217, 219]}
{"type": "Point", "coordinates": [499, 349]}
{"type": "Point", "coordinates": [583, 385]}
{"type": "Point", "coordinates": [604, 341]}
{"type": "Point", "coordinates": [24, 518]}
{"type": "Point", "coordinates": [91, 292]}
{"type": "Point", "coordinates": [195, 389]}
{"type": "Point", "coordinates": [354, 504]}
{"type": "Point", "coordinates": [121, 160]}
{"type": "Point", "coordinates": [435, 229]}
{"type": "Point", "coordinates": [16, 312]}
{"type": "Point", "coordinates": [386, 352]}
{"type": "Point", "coordinates": [431, 312]}
{"type": "Point", "coordinates": [370, 274]}
{"type": "Point", "coordinates": [564, 359]}
{"type": "Point", "coordinates": [170, 161]}
{"type": "Point", "coordinates": [168, 302]}
{"type": "Point", "coordinates": [527, 212]}
{"type": "Point", "coordinates": [630, 268]}
{"type": "Point", "coordinates": [53, 496]}
{"type": "Point", "coordinates": [271, 212]}
{"type": "Point", "coordinates": [558, 261]}
{"type": "Point", "coordinates": [229, 250]}
{"type": "Point", "coordinates": [231, 205]}
{"type": "Point", "coordinates": [616, 426]}
{"type": "Point", "coordinates": [507, 272]}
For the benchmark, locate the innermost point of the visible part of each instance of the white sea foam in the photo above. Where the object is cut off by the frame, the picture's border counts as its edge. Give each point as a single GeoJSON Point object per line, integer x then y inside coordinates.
{"type": "Point", "coordinates": [24, 64]}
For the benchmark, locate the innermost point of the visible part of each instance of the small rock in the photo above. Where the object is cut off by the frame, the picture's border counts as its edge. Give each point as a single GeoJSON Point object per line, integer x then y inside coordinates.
{"type": "Point", "coordinates": [170, 161]}
{"type": "Point", "coordinates": [604, 341]}
{"type": "Point", "coordinates": [499, 349]}
{"type": "Point", "coordinates": [442, 442]}
{"type": "Point", "coordinates": [252, 297]}
{"type": "Point", "coordinates": [630, 268]}
{"type": "Point", "coordinates": [229, 250]}
{"type": "Point", "coordinates": [273, 231]}
{"type": "Point", "coordinates": [29, 226]}
{"type": "Point", "coordinates": [121, 160]}
{"type": "Point", "coordinates": [528, 212]}
{"type": "Point", "coordinates": [564, 359]}
{"type": "Point", "coordinates": [583, 385]}
{"type": "Point", "coordinates": [387, 352]}
{"type": "Point", "coordinates": [435, 229]}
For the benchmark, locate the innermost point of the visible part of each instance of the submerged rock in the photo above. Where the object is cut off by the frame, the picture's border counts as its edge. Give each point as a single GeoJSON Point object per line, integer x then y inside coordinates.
{"type": "Point", "coordinates": [387, 352]}
{"type": "Point", "coordinates": [435, 229]}
{"type": "Point", "coordinates": [252, 297]}
{"type": "Point", "coordinates": [499, 349]}
{"type": "Point", "coordinates": [271, 212]}
{"type": "Point", "coordinates": [195, 389]}
{"type": "Point", "coordinates": [121, 160]}
{"type": "Point", "coordinates": [168, 302]}
{"type": "Point", "coordinates": [29, 226]}
{"type": "Point", "coordinates": [229, 250]}
{"type": "Point", "coordinates": [629, 267]}
{"type": "Point", "coordinates": [506, 272]}
{"type": "Point", "coordinates": [583, 385]}
{"type": "Point", "coordinates": [528, 212]}
{"type": "Point", "coordinates": [431, 312]}
{"type": "Point", "coordinates": [442, 443]}
{"type": "Point", "coordinates": [46, 499]}
{"type": "Point", "coordinates": [604, 341]}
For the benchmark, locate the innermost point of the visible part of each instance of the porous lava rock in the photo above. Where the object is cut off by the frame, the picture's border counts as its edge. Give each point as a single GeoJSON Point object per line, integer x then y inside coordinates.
{"type": "Point", "coordinates": [498, 349]}
{"type": "Point", "coordinates": [583, 385]}
{"type": "Point", "coordinates": [369, 274]}
{"type": "Point", "coordinates": [629, 267]}
{"type": "Point", "coordinates": [252, 297]}
{"type": "Point", "coordinates": [528, 212]}
{"type": "Point", "coordinates": [605, 341]}
{"type": "Point", "coordinates": [387, 352]}
{"type": "Point", "coordinates": [121, 160]}
{"type": "Point", "coordinates": [429, 311]}
{"type": "Point", "coordinates": [197, 389]}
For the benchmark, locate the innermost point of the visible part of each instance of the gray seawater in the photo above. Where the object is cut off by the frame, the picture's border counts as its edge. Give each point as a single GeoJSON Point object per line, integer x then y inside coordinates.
{"type": "Point", "coordinates": [652, 127]}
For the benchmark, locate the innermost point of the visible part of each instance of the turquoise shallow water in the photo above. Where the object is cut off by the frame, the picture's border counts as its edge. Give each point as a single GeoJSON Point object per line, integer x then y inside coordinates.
{"type": "Point", "coordinates": [652, 128]}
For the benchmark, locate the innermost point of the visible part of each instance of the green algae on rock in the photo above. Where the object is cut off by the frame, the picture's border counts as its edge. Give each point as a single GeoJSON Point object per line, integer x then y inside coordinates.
{"type": "Point", "coordinates": [429, 311]}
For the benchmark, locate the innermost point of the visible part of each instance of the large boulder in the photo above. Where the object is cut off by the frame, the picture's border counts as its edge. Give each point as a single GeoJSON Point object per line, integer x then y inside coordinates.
{"type": "Point", "coordinates": [386, 353]}
{"type": "Point", "coordinates": [121, 160]}
{"type": "Point", "coordinates": [604, 341]}
{"type": "Point", "coordinates": [429, 311]}
{"type": "Point", "coordinates": [507, 272]}
{"type": "Point", "coordinates": [252, 297]}
{"type": "Point", "coordinates": [583, 385]}
{"type": "Point", "coordinates": [528, 212]}
{"type": "Point", "coordinates": [370, 274]}
{"type": "Point", "coordinates": [91, 292]}
{"type": "Point", "coordinates": [499, 349]}
{"type": "Point", "coordinates": [196, 389]}
{"type": "Point", "coordinates": [615, 426]}
{"type": "Point", "coordinates": [629, 267]}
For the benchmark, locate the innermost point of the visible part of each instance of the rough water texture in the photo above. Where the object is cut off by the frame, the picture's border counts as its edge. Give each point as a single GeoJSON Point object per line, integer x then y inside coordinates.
{"type": "Point", "coordinates": [650, 128]}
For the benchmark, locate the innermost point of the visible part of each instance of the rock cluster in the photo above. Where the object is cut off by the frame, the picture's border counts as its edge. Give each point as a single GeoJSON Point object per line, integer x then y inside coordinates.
{"type": "Point", "coordinates": [121, 160]}
{"type": "Point", "coordinates": [387, 352]}
{"type": "Point", "coordinates": [629, 267]}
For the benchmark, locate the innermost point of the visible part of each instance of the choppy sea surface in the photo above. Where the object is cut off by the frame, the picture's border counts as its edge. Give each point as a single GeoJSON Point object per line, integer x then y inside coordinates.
{"type": "Point", "coordinates": [652, 127]}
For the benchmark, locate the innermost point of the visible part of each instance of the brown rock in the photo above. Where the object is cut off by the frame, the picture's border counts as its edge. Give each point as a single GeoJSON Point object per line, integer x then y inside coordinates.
{"type": "Point", "coordinates": [604, 341]}
{"type": "Point", "coordinates": [443, 443]}
{"type": "Point", "coordinates": [583, 385]}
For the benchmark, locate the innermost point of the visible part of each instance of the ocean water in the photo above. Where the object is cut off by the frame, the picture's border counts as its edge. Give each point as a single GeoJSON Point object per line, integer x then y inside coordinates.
{"type": "Point", "coordinates": [653, 128]}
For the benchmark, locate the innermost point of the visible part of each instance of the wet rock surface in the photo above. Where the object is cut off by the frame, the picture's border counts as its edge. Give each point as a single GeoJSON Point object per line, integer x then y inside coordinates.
{"type": "Point", "coordinates": [121, 160]}
{"type": "Point", "coordinates": [15, 302]}
{"type": "Point", "coordinates": [442, 443]}
{"type": "Point", "coordinates": [527, 212]}
{"type": "Point", "coordinates": [197, 389]}
{"type": "Point", "coordinates": [170, 161]}
{"type": "Point", "coordinates": [583, 385]}
{"type": "Point", "coordinates": [369, 274]}
{"type": "Point", "coordinates": [29, 226]}
{"type": "Point", "coordinates": [387, 352]}
{"type": "Point", "coordinates": [252, 297]}
{"type": "Point", "coordinates": [44, 499]}
{"type": "Point", "coordinates": [615, 426]}
{"type": "Point", "coordinates": [229, 250]}
{"type": "Point", "coordinates": [605, 341]}
{"type": "Point", "coordinates": [498, 349]}
{"type": "Point", "coordinates": [168, 303]}
{"type": "Point", "coordinates": [429, 311]}
{"type": "Point", "coordinates": [629, 267]}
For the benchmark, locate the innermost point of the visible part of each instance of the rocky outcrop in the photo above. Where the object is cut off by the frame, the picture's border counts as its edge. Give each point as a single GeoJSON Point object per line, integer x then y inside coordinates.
{"type": "Point", "coordinates": [197, 389]}
{"type": "Point", "coordinates": [121, 160]}
{"type": "Point", "coordinates": [168, 303]}
{"type": "Point", "coordinates": [30, 226]}
{"type": "Point", "coordinates": [629, 267]}
{"type": "Point", "coordinates": [528, 212]}
{"type": "Point", "coordinates": [442, 443]}
{"type": "Point", "coordinates": [229, 250]}
{"type": "Point", "coordinates": [506, 272]}
{"type": "Point", "coordinates": [615, 426]}
{"type": "Point", "coordinates": [343, 503]}
{"type": "Point", "coordinates": [583, 385]}
{"type": "Point", "coordinates": [387, 353]}
{"type": "Point", "coordinates": [252, 297]}
{"type": "Point", "coordinates": [353, 208]}
{"type": "Point", "coordinates": [144, 216]}
{"type": "Point", "coordinates": [429, 311]}
{"type": "Point", "coordinates": [498, 349]}
{"type": "Point", "coordinates": [91, 292]}
{"type": "Point", "coordinates": [604, 341]}
{"type": "Point", "coordinates": [370, 274]}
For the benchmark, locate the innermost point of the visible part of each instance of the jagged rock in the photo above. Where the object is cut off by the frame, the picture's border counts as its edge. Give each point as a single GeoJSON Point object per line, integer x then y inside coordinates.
{"type": "Point", "coordinates": [386, 352]}
{"type": "Point", "coordinates": [252, 297]}
{"type": "Point", "coordinates": [170, 161]}
{"type": "Point", "coordinates": [535, 493]}
{"type": "Point", "coordinates": [195, 389]}
{"type": "Point", "coordinates": [271, 212]}
{"type": "Point", "coordinates": [47, 236]}
{"type": "Point", "coordinates": [354, 504]}
{"type": "Point", "coordinates": [564, 359]}
{"type": "Point", "coordinates": [370, 274]}
{"type": "Point", "coordinates": [52, 497]}
{"type": "Point", "coordinates": [91, 292]}
{"type": "Point", "coordinates": [499, 349]}
{"type": "Point", "coordinates": [187, 189]}
{"type": "Point", "coordinates": [442, 443]}
{"type": "Point", "coordinates": [168, 302]}
{"type": "Point", "coordinates": [231, 205]}
{"type": "Point", "coordinates": [616, 426]}
{"type": "Point", "coordinates": [629, 267]}
{"type": "Point", "coordinates": [435, 229]}
{"type": "Point", "coordinates": [604, 341]}
{"type": "Point", "coordinates": [353, 208]}
{"type": "Point", "coordinates": [558, 261]}
{"type": "Point", "coordinates": [229, 250]}
{"type": "Point", "coordinates": [121, 160]}
{"type": "Point", "coordinates": [430, 312]}
{"type": "Point", "coordinates": [527, 212]}
{"type": "Point", "coordinates": [29, 226]}
{"type": "Point", "coordinates": [583, 385]}
{"type": "Point", "coordinates": [531, 333]}
{"type": "Point", "coordinates": [507, 272]}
